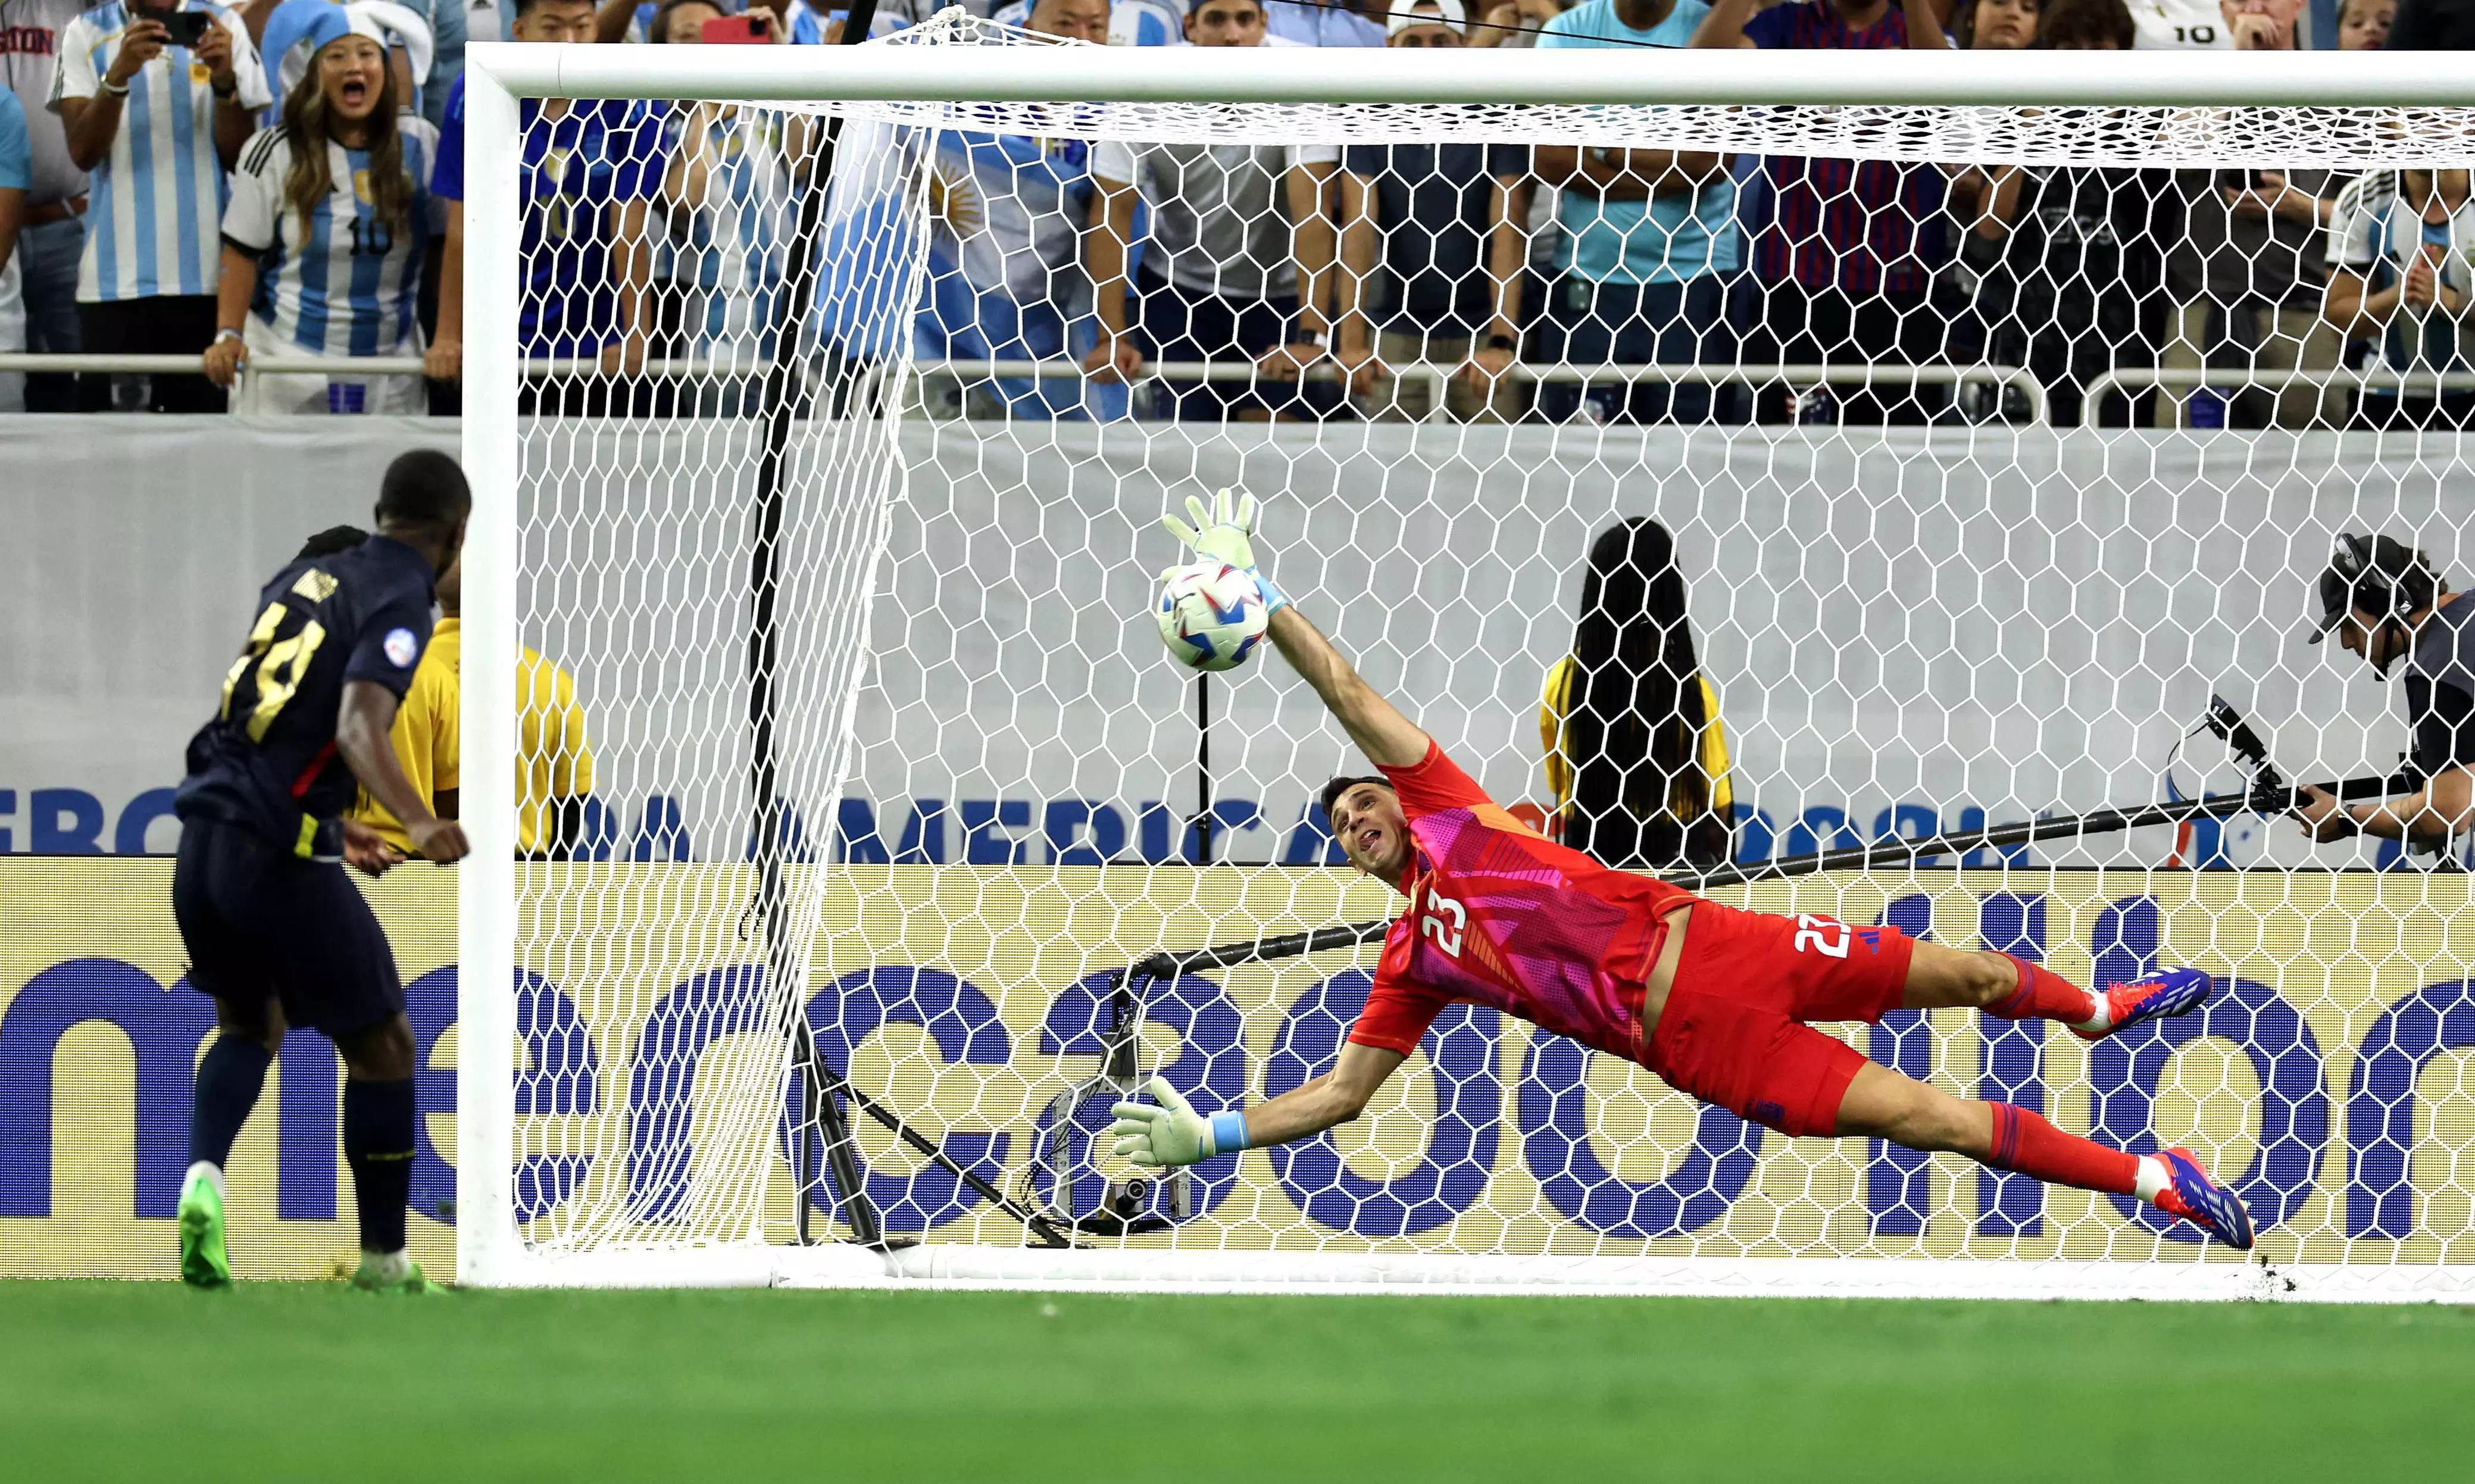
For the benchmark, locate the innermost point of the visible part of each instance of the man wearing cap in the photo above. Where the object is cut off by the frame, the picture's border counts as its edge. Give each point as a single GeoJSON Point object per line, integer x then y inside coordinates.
{"type": "Point", "coordinates": [2384, 603]}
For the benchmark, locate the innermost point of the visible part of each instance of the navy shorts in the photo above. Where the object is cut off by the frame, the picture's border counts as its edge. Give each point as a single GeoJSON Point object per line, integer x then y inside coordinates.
{"type": "Point", "coordinates": [262, 924]}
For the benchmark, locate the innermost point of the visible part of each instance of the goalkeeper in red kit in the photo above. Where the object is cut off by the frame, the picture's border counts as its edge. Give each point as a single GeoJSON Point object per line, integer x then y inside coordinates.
{"type": "Point", "coordinates": [1716, 1001]}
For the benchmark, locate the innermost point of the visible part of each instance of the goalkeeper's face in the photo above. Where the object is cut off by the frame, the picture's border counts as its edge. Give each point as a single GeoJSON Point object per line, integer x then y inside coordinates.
{"type": "Point", "coordinates": [1373, 831]}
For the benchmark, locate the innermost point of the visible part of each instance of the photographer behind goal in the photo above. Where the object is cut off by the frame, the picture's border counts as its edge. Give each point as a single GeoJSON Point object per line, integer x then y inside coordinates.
{"type": "Point", "coordinates": [2384, 603]}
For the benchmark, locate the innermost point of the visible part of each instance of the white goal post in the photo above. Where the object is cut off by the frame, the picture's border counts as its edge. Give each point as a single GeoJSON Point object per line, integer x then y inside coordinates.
{"type": "Point", "coordinates": [888, 654]}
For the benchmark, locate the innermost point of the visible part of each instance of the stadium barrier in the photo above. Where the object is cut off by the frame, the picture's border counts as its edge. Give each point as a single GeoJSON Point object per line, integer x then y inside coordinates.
{"type": "Point", "coordinates": [2331, 1078]}
{"type": "Point", "coordinates": [2132, 381]}
{"type": "Point", "coordinates": [1870, 373]}
{"type": "Point", "coordinates": [1434, 374]}
{"type": "Point", "coordinates": [2127, 381]}
{"type": "Point", "coordinates": [251, 382]}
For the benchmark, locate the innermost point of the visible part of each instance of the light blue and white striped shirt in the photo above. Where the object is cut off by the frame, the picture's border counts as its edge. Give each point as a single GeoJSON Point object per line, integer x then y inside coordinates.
{"type": "Point", "coordinates": [159, 194]}
{"type": "Point", "coordinates": [343, 281]}
{"type": "Point", "coordinates": [731, 263]}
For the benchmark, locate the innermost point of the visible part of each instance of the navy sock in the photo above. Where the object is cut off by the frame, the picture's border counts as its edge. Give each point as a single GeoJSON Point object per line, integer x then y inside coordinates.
{"type": "Point", "coordinates": [229, 1081]}
{"type": "Point", "coordinates": [377, 1144]}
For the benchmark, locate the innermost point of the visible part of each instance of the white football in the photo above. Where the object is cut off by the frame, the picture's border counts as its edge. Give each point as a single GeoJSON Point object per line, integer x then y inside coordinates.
{"type": "Point", "coordinates": [1211, 615]}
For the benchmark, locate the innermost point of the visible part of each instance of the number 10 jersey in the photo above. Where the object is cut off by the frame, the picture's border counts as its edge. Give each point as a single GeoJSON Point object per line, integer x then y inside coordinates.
{"type": "Point", "coordinates": [1500, 915]}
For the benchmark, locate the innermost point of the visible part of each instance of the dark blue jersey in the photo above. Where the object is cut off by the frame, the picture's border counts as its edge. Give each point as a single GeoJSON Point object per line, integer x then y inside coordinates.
{"type": "Point", "coordinates": [267, 762]}
{"type": "Point", "coordinates": [579, 169]}
{"type": "Point", "coordinates": [2440, 687]}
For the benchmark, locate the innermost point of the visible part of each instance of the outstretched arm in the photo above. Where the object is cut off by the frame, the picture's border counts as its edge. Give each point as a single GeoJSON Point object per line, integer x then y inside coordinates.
{"type": "Point", "coordinates": [1224, 532]}
{"type": "Point", "coordinates": [1387, 738]}
{"type": "Point", "coordinates": [1166, 1131]}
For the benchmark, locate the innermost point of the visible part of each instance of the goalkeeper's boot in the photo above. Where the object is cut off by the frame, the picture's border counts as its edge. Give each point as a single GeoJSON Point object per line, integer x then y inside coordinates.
{"type": "Point", "coordinates": [205, 1263]}
{"type": "Point", "coordinates": [393, 1275]}
{"type": "Point", "coordinates": [2167, 992]}
{"type": "Point", "coordinates": [2197, 1197]}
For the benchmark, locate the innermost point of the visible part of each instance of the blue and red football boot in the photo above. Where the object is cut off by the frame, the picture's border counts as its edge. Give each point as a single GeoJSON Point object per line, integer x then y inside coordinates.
{"type": "Point", "coordinates": [2195, 1196]}
{"type": "Point", "coordinates": [2167, 992]}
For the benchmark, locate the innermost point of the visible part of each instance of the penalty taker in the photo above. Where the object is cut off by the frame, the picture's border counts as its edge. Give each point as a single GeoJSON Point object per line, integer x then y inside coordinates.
{"type": "Point", "coordinates": [1716, 1001]}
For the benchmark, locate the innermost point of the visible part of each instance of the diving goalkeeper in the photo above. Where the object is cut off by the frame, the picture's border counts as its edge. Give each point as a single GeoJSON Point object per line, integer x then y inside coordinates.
{"type": "Point", "coordinates": [1715, 1000]}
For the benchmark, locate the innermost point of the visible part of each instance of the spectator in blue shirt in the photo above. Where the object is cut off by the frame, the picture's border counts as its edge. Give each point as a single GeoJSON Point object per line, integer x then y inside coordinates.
{"type": "Point", "coordinates": [1327, 23]}
{"type": "Point", "coordinates": [1005, 244]}
{"type": "Point", "coordinates": [590, 169]}
{"type": "Point", "coordinates": [1647, 246]}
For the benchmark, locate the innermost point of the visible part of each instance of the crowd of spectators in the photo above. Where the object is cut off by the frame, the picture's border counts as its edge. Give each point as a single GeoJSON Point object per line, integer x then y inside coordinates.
{"type": "Point", "coordinates": [286, 177]}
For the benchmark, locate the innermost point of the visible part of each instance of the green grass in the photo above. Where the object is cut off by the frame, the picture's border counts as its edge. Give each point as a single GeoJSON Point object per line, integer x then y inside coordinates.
{"type": "Point", "coordinates": [279, 1381]}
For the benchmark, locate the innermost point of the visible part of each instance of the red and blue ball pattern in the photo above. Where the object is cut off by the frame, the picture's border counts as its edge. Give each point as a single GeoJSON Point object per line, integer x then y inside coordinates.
{"type": "Point", "coordinates": [1211, 615]}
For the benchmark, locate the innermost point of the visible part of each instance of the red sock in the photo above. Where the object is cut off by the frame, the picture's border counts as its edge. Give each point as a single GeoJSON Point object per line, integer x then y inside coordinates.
{"type": "Point", "coordinates": [2025, 1142]}
{"type": "Point", "coordinates": [2045, 995]}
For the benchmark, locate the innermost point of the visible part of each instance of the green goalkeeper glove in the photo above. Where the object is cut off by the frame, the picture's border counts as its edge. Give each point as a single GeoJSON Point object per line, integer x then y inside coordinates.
{"type": "Point", "coordinates": [1224, 530]}
{"type": "Point", "coordinates": [1173, 1133]}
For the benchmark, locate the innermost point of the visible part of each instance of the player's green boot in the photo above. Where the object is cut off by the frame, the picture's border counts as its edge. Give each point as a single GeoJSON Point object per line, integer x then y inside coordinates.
{"type": "Point", "coordinates": [203, 1261]}
{"type": "Point", "coordinates": [373, 1277]}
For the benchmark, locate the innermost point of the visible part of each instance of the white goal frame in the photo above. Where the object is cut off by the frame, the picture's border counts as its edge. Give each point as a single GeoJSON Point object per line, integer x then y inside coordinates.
{"type": "Point", "coordinates": [491, 1250]}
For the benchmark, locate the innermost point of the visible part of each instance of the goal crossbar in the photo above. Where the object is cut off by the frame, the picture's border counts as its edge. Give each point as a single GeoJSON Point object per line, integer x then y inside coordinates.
{"type": "Point", "coordinates": [1614, 76]}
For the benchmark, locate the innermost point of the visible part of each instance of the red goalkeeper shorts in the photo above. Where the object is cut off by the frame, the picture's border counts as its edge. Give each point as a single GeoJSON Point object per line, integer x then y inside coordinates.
{"type": "Point", "coordinates": [1733, 1032]}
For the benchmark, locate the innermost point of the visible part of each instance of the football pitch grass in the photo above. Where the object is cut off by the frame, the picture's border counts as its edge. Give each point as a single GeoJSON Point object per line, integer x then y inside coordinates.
{"type": "Point", "coordinates": [295, 1381]}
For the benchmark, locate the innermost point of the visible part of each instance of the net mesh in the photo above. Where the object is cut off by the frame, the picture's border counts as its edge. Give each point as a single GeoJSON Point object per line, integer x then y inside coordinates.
{"type": "Point", "coordinates": [1968, 450]}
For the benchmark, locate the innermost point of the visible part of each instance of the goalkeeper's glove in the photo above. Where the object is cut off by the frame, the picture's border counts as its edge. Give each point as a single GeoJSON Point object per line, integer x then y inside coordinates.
{"type": "Point", "coordinates": [1224, 530]}
{"type": "Point", "coordinates": [1173, 1133]}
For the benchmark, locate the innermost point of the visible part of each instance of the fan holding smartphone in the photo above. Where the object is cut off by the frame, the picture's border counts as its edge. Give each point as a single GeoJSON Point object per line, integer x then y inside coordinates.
{"type": "Point", "coordinates": [185, 61]}
{"type": "Point", "coordinates": [710, 23]}
{"type": "Point", "coordinates": [187, 28]}
{"type": "Point", "coordinates": [755, 27]}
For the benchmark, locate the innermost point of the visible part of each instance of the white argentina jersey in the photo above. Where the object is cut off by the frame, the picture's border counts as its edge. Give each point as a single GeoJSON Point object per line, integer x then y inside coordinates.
{"type": "Point", "coordinates": [159, 192]}
{"type": "Point", "coordinates": [731, 260]}
{"type": "Point", "coordinates": [2180, 25]}
{"type": "Point", "coordinates": [1007, 209]}
{"type": "Point", "coordinates": [344, 282]}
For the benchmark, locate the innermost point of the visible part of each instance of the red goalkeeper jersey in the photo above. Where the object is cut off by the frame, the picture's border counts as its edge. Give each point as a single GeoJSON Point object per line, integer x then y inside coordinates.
{"type": "Point", "coordinates": [1500, 915]}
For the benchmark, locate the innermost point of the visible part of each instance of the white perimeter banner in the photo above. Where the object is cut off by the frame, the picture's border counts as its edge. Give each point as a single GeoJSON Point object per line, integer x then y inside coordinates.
{"type": "Point", "coordinates": [1908, 629]}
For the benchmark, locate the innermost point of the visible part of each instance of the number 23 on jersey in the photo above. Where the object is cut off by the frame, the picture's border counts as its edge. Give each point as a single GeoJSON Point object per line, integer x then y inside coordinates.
{"type": "Point", "coordinates": [1443, 920]}
{"type": "Point", "coordinates": [1821, 935]}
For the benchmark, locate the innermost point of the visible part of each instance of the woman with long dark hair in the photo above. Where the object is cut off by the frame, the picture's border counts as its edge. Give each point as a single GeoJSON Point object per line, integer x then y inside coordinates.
{"type": "Point", "coordinates": [1635, 751]}
{"type": "Point", "coordinates": [329, 216]}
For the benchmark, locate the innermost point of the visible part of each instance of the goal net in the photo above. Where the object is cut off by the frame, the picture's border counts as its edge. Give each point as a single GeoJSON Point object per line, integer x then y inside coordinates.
{"type": "Point", "coordinates": [1737, 470]}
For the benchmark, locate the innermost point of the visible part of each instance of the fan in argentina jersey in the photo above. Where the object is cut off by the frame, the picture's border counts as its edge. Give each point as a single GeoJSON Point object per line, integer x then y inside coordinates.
{"type": "Point", "coordinates": [2209, 26]}
{"type": "Point", "coordinates": [1715, 1000]}
{"type": "Point", "coordinates": [1007, 212]}
{"type": "Point", "coordinates": [158, 186]}
{"type": "Point", "coordinates": [327, 261]}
